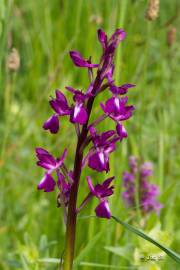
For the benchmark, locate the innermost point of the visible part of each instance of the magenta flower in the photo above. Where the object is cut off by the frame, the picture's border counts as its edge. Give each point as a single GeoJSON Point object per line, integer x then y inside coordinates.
{"type": "Point", "coordinates": [52, 124]}
{"type": "Point", "coordinates": [117, 110]}
{"type": "Point", "coordinates": [121, 131]}
{"type": "Point", "coordinates": [78, 112]}
{"type": "Point", "coordinates": [120, 90]}
{"type": "Point", "coordinates": [61, 108]}
{"type": "Point", "coordinates": [50, 164]}
{"type": "Point", "coordinates": [102, 191]}
{"type": "Point", "coordinates": [47, 183]}
{"type": "Point", "coordinates": [98, 156]}
{"type": "Point", "coordinates": [79, 61]}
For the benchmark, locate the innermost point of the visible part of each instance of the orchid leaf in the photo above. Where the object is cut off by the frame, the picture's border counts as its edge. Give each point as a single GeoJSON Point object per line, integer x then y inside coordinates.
{"type": "Point", "coordinates": [175, 256]}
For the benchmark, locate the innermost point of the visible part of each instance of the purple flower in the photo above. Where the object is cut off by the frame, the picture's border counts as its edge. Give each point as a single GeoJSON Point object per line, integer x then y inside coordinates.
{"type": "Point", "coordinates": [100, 145]}
{"type": "Point", "coordinates": [117, 110]}
{"type": "Point", "coordinates": [98, 156]}
{"type": "Point", "coordinates": [103, 210]}
{"type": "Point", "coordinates": [78, 112]}
{"type": "Point", "coordinates": [61, 108]}
{"type": "Point", "coordinates": [50, 164]}
{"type": "Point", "coordinates": [102, 191]}
{"type": "Point", "coordinates": [79, 61]}
{"type": "Point", "coordinates": [102, 38]}
{"type": "Point", "coordinates": [47, 183]}
{"type": "Point", "coordinates": [52, 124]}
{"type": "Point", "coordinates": [121, 131]}
{"type": "Point", "coordinates": [147, 192]}
{"type": "Point", "coordinates": [120, 90]}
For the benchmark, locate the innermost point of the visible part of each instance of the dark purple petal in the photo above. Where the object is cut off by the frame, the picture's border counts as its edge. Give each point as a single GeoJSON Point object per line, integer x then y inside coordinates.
{"type": "Point", "coordinates": [60, 104]}
{"type": "Point", "coordinates": [118, 36]}
{"type": "Point", "coordinates": [109, 74]}
{"type": "Point", "coordinates": [52, 124]}
{"type": "Point", "coordinates": [91, 187]}
{"type": "Point", "coordinates": [78, 97]}
{"type": "Point", "coordinates": [40, 151]}
{"type": "Point", "coordinates": [99, 161]}
{"type": "Point", "coordinates": [60, 107]}
{"type": "Point", "coordinates": [103, 210]}
{"type": "Point", "coordinates": [61, 97]}
{"type": "Point", "coordinates": [79, 114]}
{"type": "Point", "coordinates": [121, 131]}
{"type": "Point", "coordinates": [102, 38]}
{"type": "Point", "coordinates": [79, 61]}
{"type": "Point", "coordinates": [46, 160]}
{"type": "Point", "coordinates": [61, 159]}
{"type": "Point", "coordinates": [116, 109]}
{"type": "Point", "coordinates": [101, 190]}
{"type": "Point", "coordinates": [47, 183]}
{"type": "Point", "coordinates": [120, 90]}
{"type": "Point", "coordinates": [71, 89]}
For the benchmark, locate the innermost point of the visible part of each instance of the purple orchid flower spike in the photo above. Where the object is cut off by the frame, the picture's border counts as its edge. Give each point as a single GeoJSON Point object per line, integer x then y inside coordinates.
{"type": "Point", "coordinates": [79, 61]}
{"type": "Point", "coordinates": [102, 191]}
{"type": "Point", "coordinates": [93, 148]}
{"type": "Point", "coordinates": [61, 108]}
{"type": "Point", "coordinates": [147, 192]}
{"type": "Point", "coordinates": [78, 112]}
{"type": "Point", "coordinates": [50, 164]}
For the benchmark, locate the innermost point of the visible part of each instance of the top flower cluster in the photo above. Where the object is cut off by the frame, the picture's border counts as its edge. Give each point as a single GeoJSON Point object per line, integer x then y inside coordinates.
{"type": "Point", "coordinates": [115, 108]}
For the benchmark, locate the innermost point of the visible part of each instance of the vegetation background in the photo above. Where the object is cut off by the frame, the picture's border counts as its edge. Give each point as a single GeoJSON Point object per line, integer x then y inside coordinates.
{"type": "Point", "coordinates": [42, 31]}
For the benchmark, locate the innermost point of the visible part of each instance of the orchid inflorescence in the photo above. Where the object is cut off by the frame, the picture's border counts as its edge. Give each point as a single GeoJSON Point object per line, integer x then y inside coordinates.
{"type": "Point", "coordinates": [147, 192]}
{"type": "Point", "coordinates": [102, 144]}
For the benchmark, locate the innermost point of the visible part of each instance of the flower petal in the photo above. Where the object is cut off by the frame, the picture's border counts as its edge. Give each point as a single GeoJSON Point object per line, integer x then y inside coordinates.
{"type": "Point", "coordinates": [46, 160]}
{"type": "Point", "coordinates": [79, 61]}
{"type": "Point", "coordinates": [121, 131]}
{"type": "Point", "coordinates": [103, 210]}
{"type": "Point", "coordinates": [52, 124]}
{"type": "Point", "coordinates": [91, 187]}
{"type": "Point", "coordinates": [47, 183]}
{"type": "Point", "coordinates": [79, 114]}
{"type": "Point", "coordinates": [99, 161]}
{"type": "Point", "coordinates": [102, 38]}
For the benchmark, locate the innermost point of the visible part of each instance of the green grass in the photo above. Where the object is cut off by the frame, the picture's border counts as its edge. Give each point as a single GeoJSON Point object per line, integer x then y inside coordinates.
{"type": "Point", "coordinates": [31, 227]}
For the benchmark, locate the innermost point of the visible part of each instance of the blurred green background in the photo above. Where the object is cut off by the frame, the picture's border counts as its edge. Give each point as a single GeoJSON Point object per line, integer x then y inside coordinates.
{"type": "Point", "coordinates": [42, 32]}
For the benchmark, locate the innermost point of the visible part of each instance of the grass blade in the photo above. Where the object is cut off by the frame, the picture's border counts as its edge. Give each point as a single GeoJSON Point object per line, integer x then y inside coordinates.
{"type": "Point", "coordinates": [169, 252]}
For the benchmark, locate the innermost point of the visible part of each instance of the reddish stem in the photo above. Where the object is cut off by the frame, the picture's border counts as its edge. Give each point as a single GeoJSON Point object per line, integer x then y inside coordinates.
{"type": "Point", "coordinates": [72, 214]}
